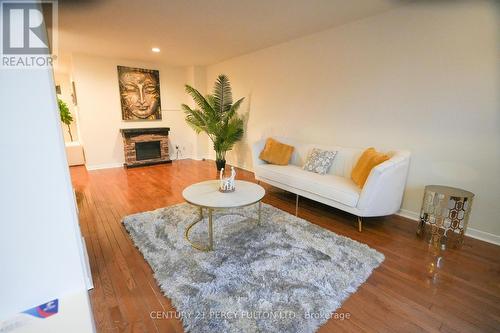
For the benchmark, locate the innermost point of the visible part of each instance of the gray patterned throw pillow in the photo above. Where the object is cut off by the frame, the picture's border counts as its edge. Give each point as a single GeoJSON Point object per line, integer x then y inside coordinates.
{"type": "Point", "coordinates": [319, 161]}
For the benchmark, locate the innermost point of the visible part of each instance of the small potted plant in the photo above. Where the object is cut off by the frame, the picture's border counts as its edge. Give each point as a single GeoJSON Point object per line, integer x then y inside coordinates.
{"type": "Point", "coordinates": [216, 115]}
{"type": "Point", "coordinates": [66, 117]}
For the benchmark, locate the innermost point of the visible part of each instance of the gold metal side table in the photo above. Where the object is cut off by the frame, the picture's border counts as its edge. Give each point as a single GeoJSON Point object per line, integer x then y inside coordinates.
{"type": "Point", "coordinates": [445, 211]}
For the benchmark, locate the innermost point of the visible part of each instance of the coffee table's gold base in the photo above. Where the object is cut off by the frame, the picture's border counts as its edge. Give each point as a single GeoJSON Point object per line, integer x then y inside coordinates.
{"type": "Point", "coordinates": [210, 246]}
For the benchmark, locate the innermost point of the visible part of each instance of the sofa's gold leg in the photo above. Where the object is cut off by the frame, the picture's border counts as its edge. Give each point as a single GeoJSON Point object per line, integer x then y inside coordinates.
{"type": "Point", "coordinates": [360, 223]}
{"type": "Point", "coordinates": [297, 205]}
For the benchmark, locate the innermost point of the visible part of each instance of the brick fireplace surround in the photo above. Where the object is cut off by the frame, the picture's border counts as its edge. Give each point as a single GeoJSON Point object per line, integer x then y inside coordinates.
{"type": "Point", "coordinates": [131, 136]}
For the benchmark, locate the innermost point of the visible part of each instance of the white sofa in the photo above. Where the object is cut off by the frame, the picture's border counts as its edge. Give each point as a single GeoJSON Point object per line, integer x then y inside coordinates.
{"type": "Point", "coordinates": [381, 195]}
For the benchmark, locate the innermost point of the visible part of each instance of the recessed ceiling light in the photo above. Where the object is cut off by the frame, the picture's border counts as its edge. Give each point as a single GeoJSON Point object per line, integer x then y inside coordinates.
{"type": "Point", "coordinates": [155, 49]}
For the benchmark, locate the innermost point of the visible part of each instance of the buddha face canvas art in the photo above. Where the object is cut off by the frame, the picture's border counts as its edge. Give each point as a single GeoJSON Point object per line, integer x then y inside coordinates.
{"type": "Point", "coordinates": [139, 93]}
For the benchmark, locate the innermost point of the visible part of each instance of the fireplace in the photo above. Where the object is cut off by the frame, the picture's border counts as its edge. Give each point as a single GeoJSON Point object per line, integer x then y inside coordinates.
{"type": "Point", "coordinates": [147, 150]}
{"type": "Point", "coordinates": [145, 146]}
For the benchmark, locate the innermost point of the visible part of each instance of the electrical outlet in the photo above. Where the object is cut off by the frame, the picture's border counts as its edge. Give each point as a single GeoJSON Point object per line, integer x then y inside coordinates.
{"type": "Point", "coordinates": [178, 152]}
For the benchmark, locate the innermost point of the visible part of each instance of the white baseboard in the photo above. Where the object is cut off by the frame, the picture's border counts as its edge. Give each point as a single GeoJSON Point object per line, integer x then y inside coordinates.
{"type": "Point", "coordinates": [409, 214]}
{"type": "Point", "coordinates": [185, 157]}
{"type": "Point", "coordinates": [201, 158]}
{"type": "Point", "coordinates": [471, 232]}
{"type": "Point", "coordinates": [103, 166]}
{"type": "Point", "coordinates": [484, 236]}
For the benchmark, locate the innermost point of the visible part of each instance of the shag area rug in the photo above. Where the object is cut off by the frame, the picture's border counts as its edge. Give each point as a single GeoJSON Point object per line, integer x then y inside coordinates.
{"type": "Point", "coordinates": [285, 275]}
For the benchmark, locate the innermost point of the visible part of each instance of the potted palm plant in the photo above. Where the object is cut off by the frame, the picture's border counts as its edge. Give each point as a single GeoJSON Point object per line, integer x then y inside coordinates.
{"type": "Point", "coordinates": [216, 115]}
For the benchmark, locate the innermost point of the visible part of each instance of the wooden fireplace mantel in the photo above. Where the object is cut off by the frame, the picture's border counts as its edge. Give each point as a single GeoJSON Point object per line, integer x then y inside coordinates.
{"type": "Point", "coordinates": [149, 130]}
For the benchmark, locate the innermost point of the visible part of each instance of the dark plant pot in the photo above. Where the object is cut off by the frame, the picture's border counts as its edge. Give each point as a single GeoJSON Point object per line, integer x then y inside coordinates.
{"type": "Point", "coordinates": [220, 164]}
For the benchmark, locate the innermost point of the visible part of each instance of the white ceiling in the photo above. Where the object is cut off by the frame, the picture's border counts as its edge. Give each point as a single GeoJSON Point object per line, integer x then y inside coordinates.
{"type": "Point", "coordinates": [198, 32]}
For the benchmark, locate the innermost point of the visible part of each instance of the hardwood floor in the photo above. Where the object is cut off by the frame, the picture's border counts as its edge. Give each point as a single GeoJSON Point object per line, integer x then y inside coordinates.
{"type": "Point", "coordinates": [405, 294]}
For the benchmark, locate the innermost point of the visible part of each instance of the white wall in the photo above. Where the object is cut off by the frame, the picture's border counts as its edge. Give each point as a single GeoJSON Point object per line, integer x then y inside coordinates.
{"type": "Point", "coordinates": [99, 111]}
{"type": "Point", "coordinates": [198, 79]}
{"type": "Point", "coordinates": [422, 77]}
{"type": "Point", "coordinates": [40, 245]}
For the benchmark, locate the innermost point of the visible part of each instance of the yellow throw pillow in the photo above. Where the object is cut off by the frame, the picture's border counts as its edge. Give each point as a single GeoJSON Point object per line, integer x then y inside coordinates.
{"type": "Point", "coordinates": [368, 160]}
{"type": "Point", "coordinates": [276, 152]}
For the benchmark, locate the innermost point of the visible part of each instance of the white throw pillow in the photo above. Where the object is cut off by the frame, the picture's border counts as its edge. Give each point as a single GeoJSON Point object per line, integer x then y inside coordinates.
{"type": "Point", "coordinates": [319, 161]}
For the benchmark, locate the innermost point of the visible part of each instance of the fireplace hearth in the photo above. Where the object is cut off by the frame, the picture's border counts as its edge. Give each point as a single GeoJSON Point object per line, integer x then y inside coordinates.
{"type": "Point", "coordinates": [145, 146]}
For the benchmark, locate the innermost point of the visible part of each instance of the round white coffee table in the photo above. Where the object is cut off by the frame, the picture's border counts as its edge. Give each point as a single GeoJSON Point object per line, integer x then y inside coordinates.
{"type": "Point", "coordinates": [206, 195]}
